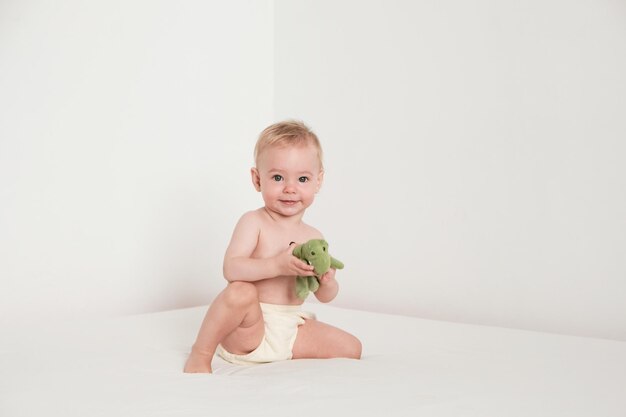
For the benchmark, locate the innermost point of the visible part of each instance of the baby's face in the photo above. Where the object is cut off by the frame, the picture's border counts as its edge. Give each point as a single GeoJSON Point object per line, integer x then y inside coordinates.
{"type": "Point", "coordinates": [288, 178]}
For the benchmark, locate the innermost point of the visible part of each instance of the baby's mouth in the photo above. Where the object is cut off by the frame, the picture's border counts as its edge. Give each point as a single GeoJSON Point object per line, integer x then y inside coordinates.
{"type": "Point", "coordinates": [289, 202]}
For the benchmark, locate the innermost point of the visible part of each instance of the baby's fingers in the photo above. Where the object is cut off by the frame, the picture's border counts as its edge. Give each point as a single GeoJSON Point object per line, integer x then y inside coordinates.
{"type": "Point", "coordinates": [298, 266]}
{"type": "Point", "coordinates": [328, 275]}
{"type": "Point", "coordinates": [303, 268]}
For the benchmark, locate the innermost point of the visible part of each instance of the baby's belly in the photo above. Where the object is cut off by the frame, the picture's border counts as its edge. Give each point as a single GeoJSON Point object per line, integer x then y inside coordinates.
{"type": "Point", "coordinates": [280, 290]}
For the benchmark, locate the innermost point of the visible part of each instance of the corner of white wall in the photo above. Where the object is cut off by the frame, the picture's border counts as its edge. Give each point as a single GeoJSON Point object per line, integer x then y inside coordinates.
{"type": "Point", "coordinates": [124, 131]}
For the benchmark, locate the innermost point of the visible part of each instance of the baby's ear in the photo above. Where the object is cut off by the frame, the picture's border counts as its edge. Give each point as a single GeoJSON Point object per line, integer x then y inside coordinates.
{"type": "Point", "coordinates": [256, 178]}
{"type": "Point", "coordinates": [320, 181]}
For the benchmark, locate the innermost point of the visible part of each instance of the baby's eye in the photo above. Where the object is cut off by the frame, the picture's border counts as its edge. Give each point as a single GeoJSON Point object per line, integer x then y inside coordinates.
{"type": "Point", "coordinates": [303, 179]}
{"type": "Point", "coordinates": [277, 178]}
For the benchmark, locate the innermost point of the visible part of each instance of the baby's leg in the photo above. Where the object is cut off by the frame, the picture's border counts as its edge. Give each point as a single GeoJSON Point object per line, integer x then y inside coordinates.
{"type": "Point", "coordinates": [321, 341]}
{"type": "Point", "coordinates": [235, 320]}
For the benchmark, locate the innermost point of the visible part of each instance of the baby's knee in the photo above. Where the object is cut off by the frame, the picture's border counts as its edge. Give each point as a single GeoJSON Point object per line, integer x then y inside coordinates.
{"type": "Point", "coordinates": [239, 293]}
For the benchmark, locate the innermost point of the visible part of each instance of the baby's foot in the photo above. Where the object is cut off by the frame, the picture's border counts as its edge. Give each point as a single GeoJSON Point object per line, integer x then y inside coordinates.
{"type": "Point", "coordinates": [198, 363]}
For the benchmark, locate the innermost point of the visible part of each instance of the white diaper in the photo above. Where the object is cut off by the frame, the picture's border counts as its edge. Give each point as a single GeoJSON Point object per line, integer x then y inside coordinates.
{"type": "Point", "coordinates": [281, 329]}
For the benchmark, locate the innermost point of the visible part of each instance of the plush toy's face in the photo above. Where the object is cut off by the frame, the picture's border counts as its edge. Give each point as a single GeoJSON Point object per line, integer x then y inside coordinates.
{"type": "Point", "coordinates": [315, 252]}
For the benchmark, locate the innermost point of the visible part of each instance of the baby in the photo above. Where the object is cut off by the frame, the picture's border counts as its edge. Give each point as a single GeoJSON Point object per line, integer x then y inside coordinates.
{"type": "Point", "coordinates": [257, 318]}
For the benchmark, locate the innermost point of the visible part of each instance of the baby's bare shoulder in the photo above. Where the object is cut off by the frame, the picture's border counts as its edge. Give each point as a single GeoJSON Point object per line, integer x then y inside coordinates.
{"type": "Point", "coordinates": [258, 220]}
{"type": "Point", "coordinates": [312, 232]}
{"type": "Point", "coordinates": [249, 222]}
{"type": "Point", "coordinates": [253, 216]}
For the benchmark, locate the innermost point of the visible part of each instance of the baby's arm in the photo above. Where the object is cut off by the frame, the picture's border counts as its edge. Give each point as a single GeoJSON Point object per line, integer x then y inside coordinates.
{"type": "Point", "coordinates": [239, 264]}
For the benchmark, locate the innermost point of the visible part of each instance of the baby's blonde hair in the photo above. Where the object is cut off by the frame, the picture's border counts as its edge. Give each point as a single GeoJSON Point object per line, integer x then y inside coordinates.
{"type": "Point", "coordinates": [287, 133]}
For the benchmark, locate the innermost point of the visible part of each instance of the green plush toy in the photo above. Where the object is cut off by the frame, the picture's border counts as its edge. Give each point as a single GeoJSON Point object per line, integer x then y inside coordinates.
{"type": "Point", "coordinates": [314, 252]}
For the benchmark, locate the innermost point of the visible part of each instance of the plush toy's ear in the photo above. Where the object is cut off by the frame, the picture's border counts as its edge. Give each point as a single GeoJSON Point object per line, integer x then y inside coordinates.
{"type": "Point", "coordinates": [297, 251]}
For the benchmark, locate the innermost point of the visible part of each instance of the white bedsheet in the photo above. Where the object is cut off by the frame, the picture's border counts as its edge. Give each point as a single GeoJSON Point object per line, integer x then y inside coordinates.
{"type": "Point", "coordinates": [132, 366]}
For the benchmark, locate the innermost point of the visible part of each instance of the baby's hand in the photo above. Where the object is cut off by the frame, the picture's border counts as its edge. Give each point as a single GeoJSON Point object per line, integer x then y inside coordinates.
{"type": "Point", "coordinates": [328, 276]}
{"type": "Point", "coordinates": [289, 265]}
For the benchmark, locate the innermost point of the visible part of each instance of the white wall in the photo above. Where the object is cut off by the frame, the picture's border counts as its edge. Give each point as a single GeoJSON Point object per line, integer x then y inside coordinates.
{"type": "Point", "coordinates": [475, 155]}
{"type": "Point", "coordinates": [124, 131]}
{"type": "Point", "coordinates": [474, 152]}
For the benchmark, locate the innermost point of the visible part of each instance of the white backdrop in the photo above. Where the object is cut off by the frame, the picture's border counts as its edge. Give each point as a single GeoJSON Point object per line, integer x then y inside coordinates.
{"type": "Point", "coordinates": [474, 152]}
{"type": "Point", "coordinates": [125, 143]}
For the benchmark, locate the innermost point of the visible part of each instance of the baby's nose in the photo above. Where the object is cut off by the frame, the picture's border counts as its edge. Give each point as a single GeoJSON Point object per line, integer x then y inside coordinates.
{"type": "Point", "coordinates": [290, 187]}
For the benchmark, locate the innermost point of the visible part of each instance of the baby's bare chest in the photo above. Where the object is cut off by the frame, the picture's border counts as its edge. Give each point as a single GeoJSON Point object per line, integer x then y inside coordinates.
{"type": "Point", "coordinates": [272, 242]}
